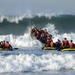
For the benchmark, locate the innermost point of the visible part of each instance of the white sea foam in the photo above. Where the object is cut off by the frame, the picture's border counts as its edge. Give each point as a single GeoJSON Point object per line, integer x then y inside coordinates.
{"type": "Point", "coordinates": [32, 62]}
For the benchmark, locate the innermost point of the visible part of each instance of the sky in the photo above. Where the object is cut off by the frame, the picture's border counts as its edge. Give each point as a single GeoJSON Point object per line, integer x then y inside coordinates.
{"type": "Point", "coordinates": [10, 7]}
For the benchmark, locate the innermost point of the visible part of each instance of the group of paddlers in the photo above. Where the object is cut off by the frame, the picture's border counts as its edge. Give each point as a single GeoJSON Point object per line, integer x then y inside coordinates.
{"type": "Point", "coordinates": [46, 38]}
{"type": "Point", "coordinates": [40, 34]}
{"type": "Point", "coordinates": [5, 44]}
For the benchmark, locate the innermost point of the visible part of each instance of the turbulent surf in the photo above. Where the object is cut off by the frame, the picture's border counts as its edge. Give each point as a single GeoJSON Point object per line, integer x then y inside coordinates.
{"type": "Point", "coordinates": [30, 57]}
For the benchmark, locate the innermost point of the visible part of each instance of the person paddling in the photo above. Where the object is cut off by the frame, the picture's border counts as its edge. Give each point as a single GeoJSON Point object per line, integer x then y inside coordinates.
{"type": "Point", "coordinates": [48, 42]}
{"type": "Point", "coordinates": [58, 44]}
{"type": "Point", "coordinates": [65, 43]}
{"type": "Point", "coordinates": [51, 43]}
{"type": "Point", "coordinates": [71, 45]}
{"type": "Point", "coordinates": [7, 45]}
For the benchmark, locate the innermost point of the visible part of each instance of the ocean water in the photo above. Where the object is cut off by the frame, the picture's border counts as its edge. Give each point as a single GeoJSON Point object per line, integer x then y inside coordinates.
{"type": "Point", "coordinates": [30, 59]}
{"type": "Point", "coordinates": [34, 61]}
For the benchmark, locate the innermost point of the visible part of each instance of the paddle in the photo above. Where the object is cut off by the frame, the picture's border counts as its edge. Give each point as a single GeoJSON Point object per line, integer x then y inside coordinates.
{"type": "Point", "coordinates": [14, 49]}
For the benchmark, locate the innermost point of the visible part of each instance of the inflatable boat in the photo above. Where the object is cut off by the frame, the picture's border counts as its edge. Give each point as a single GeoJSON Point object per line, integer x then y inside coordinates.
{"type": "Point", "coordinates": [49, 48]}
{"type": "Point", "coordinates": [5, 49]}
{"type": "Point", "coordinates": [8, 49]}
{"type": "Point", "coordinates": [68, 49]}
{"type": "Point", "coordinates": [64, 49]}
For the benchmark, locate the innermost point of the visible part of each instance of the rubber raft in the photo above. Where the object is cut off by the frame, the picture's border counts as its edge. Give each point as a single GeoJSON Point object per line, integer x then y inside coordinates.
{"type": "Point", "coordinates": [5, 49]}
{"type": "Point", "coordinates": [64, 49]}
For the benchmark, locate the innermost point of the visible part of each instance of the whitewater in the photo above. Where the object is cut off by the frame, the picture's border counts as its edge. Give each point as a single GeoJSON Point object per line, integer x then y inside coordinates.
{"type": "Point", "coordinates": [30, 58]}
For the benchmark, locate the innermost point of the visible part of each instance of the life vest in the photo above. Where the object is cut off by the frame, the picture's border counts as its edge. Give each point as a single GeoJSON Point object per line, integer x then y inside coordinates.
{"type": "Point", "coordinates": [65, 43]}
{"type": "Point", "coordinates": [51, 44]}
{"type": "Point", "coordinates": [71, 45]}
{"type": "Point", "coordinates": [7, 45]}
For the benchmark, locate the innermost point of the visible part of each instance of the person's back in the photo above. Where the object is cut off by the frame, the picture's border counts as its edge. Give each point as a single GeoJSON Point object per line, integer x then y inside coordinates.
{"type": "Point", "coordinates": [48, 41]}
{"type": "Point", "coordinates": [52, 44]}
{"type": "Point", "coordinates": [65, 42]}
{"type": "Point", "coordinates": [58, 44]}
{"type": "Point", "coordinates": [71, 45]}
{"type": "Point", "coordinates": [7, 45]}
